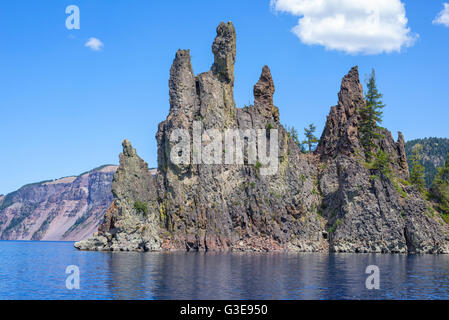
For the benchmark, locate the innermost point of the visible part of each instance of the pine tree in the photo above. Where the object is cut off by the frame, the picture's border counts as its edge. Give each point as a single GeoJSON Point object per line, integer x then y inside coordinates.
{"type": "Point", "coordinates": [371, 116]}
{"type": "Point", "coordinates": [311, 139]}
{"type": "Point", "coordinates": [440, 187]}
{"type": "Point", "coordinates": [293, 134]}
{"type": "Point", "coordinates": [417, 174]}
{"type": "Point", "coordinates": [382, 163]}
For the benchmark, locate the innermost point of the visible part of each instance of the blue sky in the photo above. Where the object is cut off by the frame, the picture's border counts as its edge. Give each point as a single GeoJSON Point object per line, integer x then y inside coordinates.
{"type": "Point", "coordinates": [65, 108]}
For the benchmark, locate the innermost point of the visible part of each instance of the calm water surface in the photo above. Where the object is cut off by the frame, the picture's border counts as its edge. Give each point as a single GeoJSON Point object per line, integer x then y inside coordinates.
{"type": "Point", "coordinates": [36, 270]}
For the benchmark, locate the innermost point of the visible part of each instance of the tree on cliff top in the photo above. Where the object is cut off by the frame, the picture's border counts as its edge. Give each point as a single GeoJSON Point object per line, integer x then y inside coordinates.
{"type": "Point", "coordinates": [311, 139]}
{"type": "Point", "coordinates": [434, 154]}
{"type": "Point", "coordinates": [371, 116]}
{"type": "Point", "coordinates": [293, 134]}
{"type": "Point", "coordinates": [417, 174]}
{"type": "Point", "coordinates": [440, 187]}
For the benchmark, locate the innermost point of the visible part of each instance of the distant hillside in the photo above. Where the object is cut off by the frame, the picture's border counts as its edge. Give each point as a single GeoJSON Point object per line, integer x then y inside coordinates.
{"type": "Point", "coordinates": [69, 208]}
{"type": "Point", "coordinates": [435, 151]}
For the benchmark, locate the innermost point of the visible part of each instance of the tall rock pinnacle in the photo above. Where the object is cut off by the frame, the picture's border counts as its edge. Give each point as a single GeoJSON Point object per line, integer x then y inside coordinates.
{"type": "Point", "coordinates": [264, 88]}
{"type": "Point", "coordinates": [182, 82]}
{"type": "Point", "coordinates": [340, 134]}
{"type": "Point", "coordinates": [263, 95]}
{"type": "Point", "coordinates": [224, 49]}
{"type": "Point", "coordinates": [350, 96]}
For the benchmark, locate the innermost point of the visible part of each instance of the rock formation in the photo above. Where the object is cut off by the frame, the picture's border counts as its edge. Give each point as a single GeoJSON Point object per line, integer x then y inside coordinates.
{"type": "Point", "coordinates": [366, 210]}
{"type": "Point", "coordinates": [330, 200]}
{"type": "Point", "coordinates": [70, 208]}
{"type": "Point", "coordinates": [131, 223]}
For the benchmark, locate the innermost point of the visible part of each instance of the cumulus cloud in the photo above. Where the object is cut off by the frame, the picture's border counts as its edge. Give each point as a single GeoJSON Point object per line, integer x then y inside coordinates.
{"type": "Point", "coordinates": [351, 26]}
{"type": "Point", "coordinates": [94, 43]}
{"type": "Point", "coordinates": [443, 16]}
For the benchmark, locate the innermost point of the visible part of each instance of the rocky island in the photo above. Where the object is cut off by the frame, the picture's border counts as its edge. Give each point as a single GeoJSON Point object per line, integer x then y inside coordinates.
{"type": "Point", "coordinates": [333, 199]}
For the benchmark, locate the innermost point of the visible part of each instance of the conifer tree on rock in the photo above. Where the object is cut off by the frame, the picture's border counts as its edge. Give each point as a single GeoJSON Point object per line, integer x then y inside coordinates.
{"type": "Point", "coordinates": [311, 139]}
{"type": "Point", "coordinates": [440, 188]}
{"type": "Point", "coordinates": [417, 174]}
{"type": "Point", "coordinates": [371, 116]}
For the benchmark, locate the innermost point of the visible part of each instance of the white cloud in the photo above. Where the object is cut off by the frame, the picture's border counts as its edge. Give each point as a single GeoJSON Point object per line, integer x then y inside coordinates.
{"type": "Point", "coordinates": [352, 26]}
{"type": "Point", "coordinates": [94, 43]}
{"type": "Point", "coordinates": [443, 16]}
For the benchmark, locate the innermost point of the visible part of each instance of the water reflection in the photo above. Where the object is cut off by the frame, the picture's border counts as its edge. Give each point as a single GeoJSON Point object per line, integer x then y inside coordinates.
{"type": "Point", "coordinates": [275, 276]}
{"type": "Point", "coordinates": [36, 270]}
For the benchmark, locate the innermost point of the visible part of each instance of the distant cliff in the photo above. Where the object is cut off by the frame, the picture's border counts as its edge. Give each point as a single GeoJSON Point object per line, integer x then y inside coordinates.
{"type": "Point", "coordinates": [334, 199]}
{"type": "Point", "coordinates": [434, 154]}
{"type": "Point", "coordinates": [69, 208]}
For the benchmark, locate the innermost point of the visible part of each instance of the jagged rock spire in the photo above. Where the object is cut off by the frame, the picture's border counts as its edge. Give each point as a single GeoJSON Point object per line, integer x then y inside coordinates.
{"type": "Point", "coordinates": [264, 88]}
{"type": "Point", "coordinates": [350, 96]}
{"type": "Point", "coordinates": [128, 149]}
{"type": "Point", "coordinates": [132, 168]}
{"type": "Point", "coordinates": [224, 49]}
{"type": "Point", "coordinates": [340, 134]}
{"type": "Point", "coordinates": [263, 95]}
{"type": "Point", "coordinates": [182, 82]}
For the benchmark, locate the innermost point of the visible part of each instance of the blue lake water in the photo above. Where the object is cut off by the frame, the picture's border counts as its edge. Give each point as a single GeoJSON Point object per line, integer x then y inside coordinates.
{"type": "Point", "coordinates": [36, 270]}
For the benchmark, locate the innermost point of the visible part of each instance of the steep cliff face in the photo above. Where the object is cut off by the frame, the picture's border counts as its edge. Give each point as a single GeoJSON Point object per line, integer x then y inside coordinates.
{"type": "Point", "coordinates": [66, 209]}
{"type": "Point", "coordinates": [212, 199]}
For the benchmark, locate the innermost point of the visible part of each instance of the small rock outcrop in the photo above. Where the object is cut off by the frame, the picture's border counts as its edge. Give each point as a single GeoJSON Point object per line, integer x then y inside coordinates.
{"type": "Point", "coordinates": [135, 207]}
{"type": "Point", "coordinates": [328, 200]}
